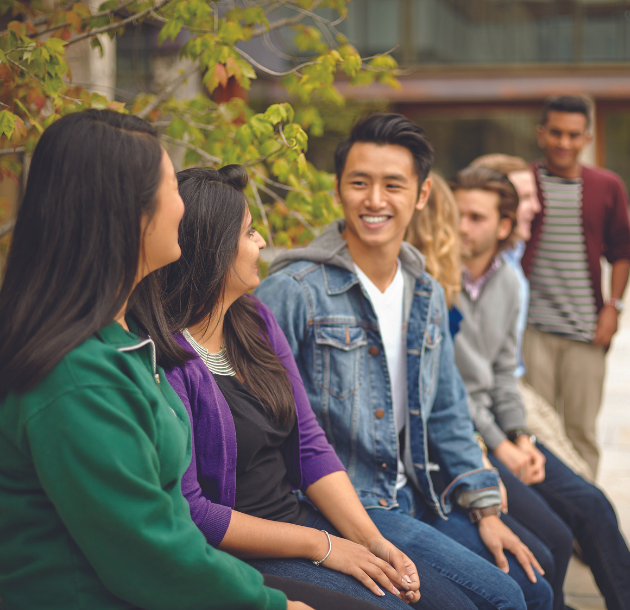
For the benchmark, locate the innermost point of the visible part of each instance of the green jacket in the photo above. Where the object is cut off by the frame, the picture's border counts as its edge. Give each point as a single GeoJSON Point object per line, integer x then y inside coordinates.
{"type": "Point", "coordinates": [91, 511]}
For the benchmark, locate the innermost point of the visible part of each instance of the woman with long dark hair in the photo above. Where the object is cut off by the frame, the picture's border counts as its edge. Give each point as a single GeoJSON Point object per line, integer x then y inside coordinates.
{"type": "Point", "coordinates": [255, 437]}
{"type": "Point", "coordinates": [93, 440]}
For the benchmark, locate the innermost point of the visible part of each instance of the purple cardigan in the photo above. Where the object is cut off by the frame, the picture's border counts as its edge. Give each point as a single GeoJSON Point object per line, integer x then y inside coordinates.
{"type": "Point", "coordinates": [209, 484]}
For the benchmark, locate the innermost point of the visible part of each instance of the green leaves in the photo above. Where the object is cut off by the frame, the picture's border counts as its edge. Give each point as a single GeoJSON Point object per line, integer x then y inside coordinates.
{"type": "Point", "coordinates": [170, 30]}
{"type": "Point", "coordinates": [271, 141]}
{"type": "Point", "coordinates": [107, 6]}
{"type": "Point", "coordinates": [7, 123]}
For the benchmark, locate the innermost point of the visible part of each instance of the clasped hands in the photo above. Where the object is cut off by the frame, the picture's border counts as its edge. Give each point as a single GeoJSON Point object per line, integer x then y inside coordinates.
{"type": "Point", "coordinates": [377, 562]}
{"type": "Point", "coordinates": [523, 459]}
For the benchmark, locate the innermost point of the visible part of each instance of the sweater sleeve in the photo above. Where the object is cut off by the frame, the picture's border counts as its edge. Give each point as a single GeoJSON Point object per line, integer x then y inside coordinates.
{"type": "Point", "coordinates": [95, 453]}
{"type": "Point", "coordinates": [211, 518]}
{"type": "Point", "coordinates": [484, 421]}
{"type": "Point", "coordinates": [317, 456]}
{"type": "Point", "coordinates": [617, 229]}
{"type": "Point", "coordinates": [507, 404]}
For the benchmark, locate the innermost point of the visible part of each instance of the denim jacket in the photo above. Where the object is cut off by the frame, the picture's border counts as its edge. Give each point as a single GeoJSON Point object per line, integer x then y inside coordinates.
{"type": "Point", "coordinates": [333, 333]}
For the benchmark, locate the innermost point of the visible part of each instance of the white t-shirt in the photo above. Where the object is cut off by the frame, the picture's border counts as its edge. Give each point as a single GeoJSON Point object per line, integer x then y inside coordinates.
{"type": "Point", "coordinates": [388, 307]}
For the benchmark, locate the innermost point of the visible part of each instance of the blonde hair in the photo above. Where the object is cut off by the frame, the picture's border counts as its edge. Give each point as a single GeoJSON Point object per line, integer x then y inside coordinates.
{"type": "Point", "coordinates": [502, 163]}
{"type": "Point", "coordinates": [434, 231]}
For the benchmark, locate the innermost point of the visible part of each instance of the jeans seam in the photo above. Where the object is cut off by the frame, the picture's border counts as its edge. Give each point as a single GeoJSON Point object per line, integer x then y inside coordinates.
{"type": "Point", "coordinates": [470, 587]}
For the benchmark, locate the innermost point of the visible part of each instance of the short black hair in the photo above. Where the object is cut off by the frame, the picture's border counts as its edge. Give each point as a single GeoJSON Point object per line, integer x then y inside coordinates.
{"type": "Point", "coordinates": [389, 128]}
{"type": "Point", "coordinates": [567, 103]}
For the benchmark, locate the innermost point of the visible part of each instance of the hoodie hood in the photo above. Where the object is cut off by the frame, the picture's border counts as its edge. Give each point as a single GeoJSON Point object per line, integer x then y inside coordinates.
{"type": "Point", "coordinates": [330, 248]}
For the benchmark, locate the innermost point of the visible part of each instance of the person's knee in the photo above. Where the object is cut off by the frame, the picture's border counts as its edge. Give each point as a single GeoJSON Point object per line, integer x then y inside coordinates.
{"type": "Point", "coordinates": [595, 506]}
{"type": "Point", "coordinates": [514, 596]}
{"type": "Point", "coordinates": [547, 560]}
{"type": "Point", "coordinates": [562, 541]}
{"type": "Point", "coordinates": [543, 596]}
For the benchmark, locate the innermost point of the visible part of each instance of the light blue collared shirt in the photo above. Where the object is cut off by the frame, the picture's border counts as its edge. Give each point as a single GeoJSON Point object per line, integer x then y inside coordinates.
{"type": "Point", "coordinates": [513, 258]}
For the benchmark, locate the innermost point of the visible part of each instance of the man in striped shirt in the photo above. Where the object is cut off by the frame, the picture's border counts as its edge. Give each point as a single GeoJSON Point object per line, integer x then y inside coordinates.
{"type": "Point", "coordinates": [569, 328]}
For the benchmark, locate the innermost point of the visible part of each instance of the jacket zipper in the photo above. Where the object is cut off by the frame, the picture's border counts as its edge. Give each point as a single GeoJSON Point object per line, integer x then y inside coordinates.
{"type": "Point", "coordinates": [156, 375]}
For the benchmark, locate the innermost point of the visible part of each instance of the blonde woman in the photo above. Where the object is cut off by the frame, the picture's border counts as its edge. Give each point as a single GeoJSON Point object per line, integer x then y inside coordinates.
{"type": "Point", "coordinates": [433, 231]}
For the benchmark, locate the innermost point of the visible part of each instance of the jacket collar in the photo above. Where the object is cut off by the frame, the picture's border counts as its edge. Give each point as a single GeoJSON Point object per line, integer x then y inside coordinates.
{"type": "Point", "coordinates": [331, 250]}
{"type": "Point", "coordinates": [115, 335]}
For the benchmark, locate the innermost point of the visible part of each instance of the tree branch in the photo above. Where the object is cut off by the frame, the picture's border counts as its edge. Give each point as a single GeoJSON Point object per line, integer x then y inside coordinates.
{"type": "Point", "coordinates": [39, 82]}
{"type": "Point", "coordinates": [261, 207]}
{"type": "Point", "coordinates": [207, 156]}
{"type": "Point", "coordinates": [35, 21]}
{"type": "Point", "coordinates": [168, 91]}
{"type": "Point", "coordinates": [280, 23]}
{"type": "Point", "coordinates": [114, 26]}
{"type": "Point", "coordinates": [6, 228]}
{"type": "Point", "coordinates": [112, 11]}
{"type": "Point", "coordinates": [293, 213]}
{"type": "Point", "coordinates": [12, 151]}
{"type": "Point", "coordinates": [252, 61]}
{"type": "Point", "coordinates": [273, 183]}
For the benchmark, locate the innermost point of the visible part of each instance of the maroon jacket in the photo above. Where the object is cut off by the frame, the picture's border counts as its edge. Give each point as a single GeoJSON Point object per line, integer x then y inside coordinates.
{"type": "Point", "coordinates": [605, 223]}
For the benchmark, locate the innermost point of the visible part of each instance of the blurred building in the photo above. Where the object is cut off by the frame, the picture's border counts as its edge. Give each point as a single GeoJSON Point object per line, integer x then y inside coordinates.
{"type": "Point", "coordinates": [479, 69]}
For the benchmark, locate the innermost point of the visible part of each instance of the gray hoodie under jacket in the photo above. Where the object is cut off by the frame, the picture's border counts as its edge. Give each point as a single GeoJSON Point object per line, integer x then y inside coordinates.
{"type": "Point", "coordinates": [329, 248]}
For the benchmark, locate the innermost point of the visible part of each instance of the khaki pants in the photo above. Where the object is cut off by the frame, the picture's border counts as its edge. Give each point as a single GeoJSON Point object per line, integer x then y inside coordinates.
{"type": "Point", "coordinates": [545, 423]}
{"type": "Point", "coordinates": [569, 375]}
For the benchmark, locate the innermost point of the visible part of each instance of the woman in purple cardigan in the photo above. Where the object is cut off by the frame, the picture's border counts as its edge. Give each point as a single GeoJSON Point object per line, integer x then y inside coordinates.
{"type": "Point", "coordinates": [255, 437]}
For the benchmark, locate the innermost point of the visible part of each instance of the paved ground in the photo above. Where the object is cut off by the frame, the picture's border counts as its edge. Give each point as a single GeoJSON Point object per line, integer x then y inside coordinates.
{"type": "Point", "coordinates": [614, 473]}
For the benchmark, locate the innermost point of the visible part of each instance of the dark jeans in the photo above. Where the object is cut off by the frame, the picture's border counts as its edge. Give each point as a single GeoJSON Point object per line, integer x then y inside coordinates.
{"type": "Point", "coordinates": [437, 592]}
{"type": "Point", "coordinates": [564, 506]}
{"type": "Point", "coordinates": [316, 597]}
{"type": "Point", "coordinates": [468, 564]}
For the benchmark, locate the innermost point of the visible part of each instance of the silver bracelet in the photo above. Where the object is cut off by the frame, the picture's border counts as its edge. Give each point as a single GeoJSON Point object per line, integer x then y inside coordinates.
{"type": "Point", "coordinates": [329, 549]}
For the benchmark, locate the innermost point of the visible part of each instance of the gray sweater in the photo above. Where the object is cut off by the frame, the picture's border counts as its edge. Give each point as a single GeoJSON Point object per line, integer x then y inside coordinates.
{"type": "Point", "coordinates": [485, 354]}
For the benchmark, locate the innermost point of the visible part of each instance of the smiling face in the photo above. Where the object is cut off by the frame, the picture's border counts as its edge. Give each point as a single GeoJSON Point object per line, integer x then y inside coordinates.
{"type": "Point", "coordinates": [160, 240]}
{"type": "Point", "coordinates": [378, 190]}
{"type": "Point", "coordinates": [562, 138]}
{"type": "Point", "coordinates": [480, 225]}
{"type": "Point", "coordinates": [243, 275]}
{"type": "Point", "coordinates": [528, 204]}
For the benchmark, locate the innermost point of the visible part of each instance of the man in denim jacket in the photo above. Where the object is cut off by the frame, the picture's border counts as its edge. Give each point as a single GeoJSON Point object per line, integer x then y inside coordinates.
{"type": "Point", "coordinates": [369, 330]}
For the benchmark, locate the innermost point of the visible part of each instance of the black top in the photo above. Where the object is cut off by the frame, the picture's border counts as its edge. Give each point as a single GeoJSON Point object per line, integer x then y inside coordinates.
{"type": "Point", "coordinates": [262, 487]}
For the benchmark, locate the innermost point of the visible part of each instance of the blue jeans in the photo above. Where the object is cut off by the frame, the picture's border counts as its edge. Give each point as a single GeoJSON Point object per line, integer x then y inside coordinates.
{"type": "Point", "coordinates": [468, 564]}
{"type": "Point", "coordinates": [437, 593]}
{"type": "Point", "coordinates": [565, 505]}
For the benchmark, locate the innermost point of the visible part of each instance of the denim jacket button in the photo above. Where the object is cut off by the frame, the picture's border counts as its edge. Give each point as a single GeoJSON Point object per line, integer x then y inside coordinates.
{"type": "Point", "coordinates": [383, 465]}
{"type": "Point", "coordinates": [383, 502]}
{"type": "Point", "coordinates": [373, 351]}
{"type": "Point", "coordinates": [380, 413]}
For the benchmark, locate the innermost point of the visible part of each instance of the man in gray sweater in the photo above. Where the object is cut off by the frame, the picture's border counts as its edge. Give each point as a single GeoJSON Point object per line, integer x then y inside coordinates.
{"type": "Point", "coordinates": [544, 495]}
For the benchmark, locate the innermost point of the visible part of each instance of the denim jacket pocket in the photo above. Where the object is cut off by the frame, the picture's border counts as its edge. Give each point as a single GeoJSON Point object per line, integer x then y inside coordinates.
{"type": "Point", "coordinates": [339, 357]}
{"type": "Point", "coordinates": [430, 362]}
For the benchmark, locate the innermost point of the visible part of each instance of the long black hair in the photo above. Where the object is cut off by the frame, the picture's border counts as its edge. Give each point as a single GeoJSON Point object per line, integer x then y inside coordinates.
{"type": "Point", "coordinates": [194, 286]}
{"type": "Point", "coordinates": [76, 242]}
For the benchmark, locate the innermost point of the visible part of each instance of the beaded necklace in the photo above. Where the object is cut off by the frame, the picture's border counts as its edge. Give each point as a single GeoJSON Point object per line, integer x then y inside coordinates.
{"type": "Point", "coordinates": [218, 362]}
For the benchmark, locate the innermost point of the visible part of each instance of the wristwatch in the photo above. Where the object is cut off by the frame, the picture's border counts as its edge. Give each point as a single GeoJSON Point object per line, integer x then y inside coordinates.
{"type": "Point", "coordinates": [477, 514]}
{"type": "Point", "coordinates": [514, 434]}
{"type": "Point", "coordinates": [617, 304]}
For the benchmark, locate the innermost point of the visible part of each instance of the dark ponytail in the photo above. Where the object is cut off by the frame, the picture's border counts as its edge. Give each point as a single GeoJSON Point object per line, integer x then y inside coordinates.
{"type": "Point", "coordinates": [193, 286]}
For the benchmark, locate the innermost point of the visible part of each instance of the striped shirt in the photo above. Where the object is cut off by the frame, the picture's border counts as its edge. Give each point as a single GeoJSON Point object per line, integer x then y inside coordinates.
{"type": "Point", "coordinates": [562, 301]}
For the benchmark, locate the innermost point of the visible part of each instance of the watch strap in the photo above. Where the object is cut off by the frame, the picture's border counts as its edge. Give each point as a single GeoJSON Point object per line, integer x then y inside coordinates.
{"type": "Point", "coordinates": [514, 434]}
{"type": "Point", "coordinates": [477, 514]}
{"type": "Point", "coordinates": [616, 303]}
